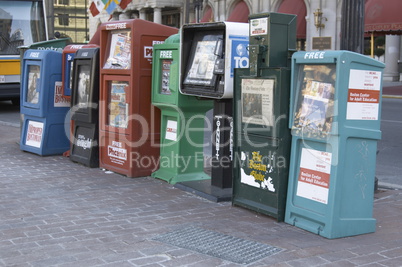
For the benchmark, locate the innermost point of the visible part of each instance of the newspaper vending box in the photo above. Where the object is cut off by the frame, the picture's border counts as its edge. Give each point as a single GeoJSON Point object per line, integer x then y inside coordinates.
{"type": "Point", "coordinates": [261, 102]}
{"type": "Point", "coordinates": [44, 127]}
{"type": "Point", "coordinates": [85, 108]}
{"type": "Point", "coordinates": [129, 126]}
{"type": "Point", "coordinates": [335, 124]}
{"type": "Point", "coordinates": [182, 118]}
{"type": "Point", "coordinates": [209, 54]}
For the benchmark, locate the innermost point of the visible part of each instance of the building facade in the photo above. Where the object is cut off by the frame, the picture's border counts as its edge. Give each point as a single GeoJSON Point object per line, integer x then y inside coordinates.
{"type": "Point", "coordinates": [68, 18]}
{"type": "Point", "coordinates": [318, 21]}
{"type": "Point", "coordinates": [176, 13]}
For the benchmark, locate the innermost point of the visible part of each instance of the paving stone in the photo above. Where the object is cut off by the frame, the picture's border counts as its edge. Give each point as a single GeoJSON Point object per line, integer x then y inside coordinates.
{"type": "Point", "coordinates": [58, 213]}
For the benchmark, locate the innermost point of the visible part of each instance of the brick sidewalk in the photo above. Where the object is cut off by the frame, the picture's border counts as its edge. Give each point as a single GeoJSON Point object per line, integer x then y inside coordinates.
{"type": "Point", "coordinates": [58, 213]}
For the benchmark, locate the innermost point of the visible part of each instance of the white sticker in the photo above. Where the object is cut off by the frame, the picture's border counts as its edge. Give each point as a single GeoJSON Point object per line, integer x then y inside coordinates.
{"type": "Point", "coordinates": [259, 26]}
{"type": "Point", "coordinates": [34, 134]}
{"type": "Point", "coordinates": [60, 100]}
{"type": "Point", "coordinates": [171, 130]}
{"type": "Point", "coordinates": [363, 95]}
{"type": "Point", "coordinates": [314, 176]}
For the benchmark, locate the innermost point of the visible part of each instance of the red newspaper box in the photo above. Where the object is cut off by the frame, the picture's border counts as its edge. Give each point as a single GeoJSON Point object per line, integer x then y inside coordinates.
{"type": "Point", "coordinates": [129, 131]}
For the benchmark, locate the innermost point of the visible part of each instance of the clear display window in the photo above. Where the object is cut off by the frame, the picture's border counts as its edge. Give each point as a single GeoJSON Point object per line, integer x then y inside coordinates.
{"type": "Point", "coordinates": [120, 50]}
{"type": "Point", "coordinates": [205, 51]}
{"type": "Point", "coordinates": [257, 101]}
{"type": "Point", "coordinates": [33, 84]}
{"type": "Point", "coordinates": [165, 81]}
{"type": "Point", "coordinates": [84, 77]}
{"type": "Point", "coordinates": [118, 106]}
{"type": "Point", "coordinates": [314, 106]}
{"type": "Point", "coordinates": [70, 66]}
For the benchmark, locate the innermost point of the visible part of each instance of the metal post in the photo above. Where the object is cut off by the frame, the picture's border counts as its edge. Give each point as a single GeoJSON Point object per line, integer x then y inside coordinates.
{"type": "Point", "coordinates": [197, 8]}
{"type": "Point", "coordinates": [372, 44]}
{"type": "Point", "coordinates": [186, 11]}
{"type": "Point", "coordinates": [352, 26]}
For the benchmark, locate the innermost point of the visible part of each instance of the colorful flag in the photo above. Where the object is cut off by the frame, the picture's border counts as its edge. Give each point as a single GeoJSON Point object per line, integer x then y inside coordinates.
{"type": "Point", "coordinates": [110, 5]}
{"type": "Point", "coordinates": [96, 7]}
{"type": "Point", "coordinates": [124, 3]}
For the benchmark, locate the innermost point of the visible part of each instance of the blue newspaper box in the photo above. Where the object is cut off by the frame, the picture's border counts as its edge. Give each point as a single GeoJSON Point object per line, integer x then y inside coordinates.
{"type": "Point", "coordinates": [335, 113]}
{"type": "Point", "coordinates": [43, 105]}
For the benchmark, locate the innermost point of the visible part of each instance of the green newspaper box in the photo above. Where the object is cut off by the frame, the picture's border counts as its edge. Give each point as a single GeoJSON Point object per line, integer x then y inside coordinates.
{"type": "Point", "coordinates": [182, 118]}
{"type": "Point", "coordinates": [261, 105]}
{"type": "Point", "coordinates": [335, 124]}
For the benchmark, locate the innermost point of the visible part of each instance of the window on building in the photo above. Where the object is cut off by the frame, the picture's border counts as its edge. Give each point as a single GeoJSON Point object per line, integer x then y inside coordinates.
{"type": "Point", "coordinates": [63, 2]}
{"type": "Point", "coordinates": [172, 20]}
{"type": "Point", "coordinates": [63, 19]}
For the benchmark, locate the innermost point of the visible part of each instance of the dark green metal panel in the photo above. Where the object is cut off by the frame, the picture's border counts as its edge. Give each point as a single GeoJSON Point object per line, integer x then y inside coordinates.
{"type": "Point", "coordinates": [272, 39]}
{"type": "Point", "coordinates": [262, 151]}
{"type": "Point", "coordinates": [261, 115]}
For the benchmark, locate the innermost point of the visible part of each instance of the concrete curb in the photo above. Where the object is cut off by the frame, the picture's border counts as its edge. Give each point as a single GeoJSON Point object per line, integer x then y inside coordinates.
{"type": "Point", "coordinates": [392, 96]}
{"type": "Point", "coordinates": [389, 186]}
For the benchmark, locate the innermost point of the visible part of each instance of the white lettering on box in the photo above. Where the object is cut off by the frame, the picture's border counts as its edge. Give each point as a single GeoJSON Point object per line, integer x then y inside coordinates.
{"type": "Point", "coordinates": [241, 62]}
{"type": "Point", "coordinates": [165, 54]}
{"type": "Point", "coordinates": [117, 144]}
{"type": "Point", "coordinates": [148, 50]}
{"type": "Point", "coordinates": [34, 54]}
{"type": "Point", "coordinates": [76, 46]}
{"type": "Point", "coordinates": [116, 26]}
{"type": "Point", "coordinates": [314, 55]}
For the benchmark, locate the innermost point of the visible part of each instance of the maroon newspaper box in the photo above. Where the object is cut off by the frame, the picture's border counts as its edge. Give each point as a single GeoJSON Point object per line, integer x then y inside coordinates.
{"type": "Point", "coordinates": [129, 131]}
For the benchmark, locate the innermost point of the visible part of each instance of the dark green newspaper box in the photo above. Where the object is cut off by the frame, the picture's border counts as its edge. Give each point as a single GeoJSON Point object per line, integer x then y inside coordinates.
{"type": "Point", "coordinates": [262, 138]}
{"type": "Point", "coordinates": [182, 118]}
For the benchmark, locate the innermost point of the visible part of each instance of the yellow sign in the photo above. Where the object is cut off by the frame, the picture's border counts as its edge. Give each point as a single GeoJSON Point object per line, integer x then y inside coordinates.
{"type": "Point", "coordinates": [9, 67]}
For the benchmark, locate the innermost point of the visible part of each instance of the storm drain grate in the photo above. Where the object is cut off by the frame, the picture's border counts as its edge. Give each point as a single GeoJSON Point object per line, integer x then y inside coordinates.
{"type": "Point", "coordinates": [215, 244]}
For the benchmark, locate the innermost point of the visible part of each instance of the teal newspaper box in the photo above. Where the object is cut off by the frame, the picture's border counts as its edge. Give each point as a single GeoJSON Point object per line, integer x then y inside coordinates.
{"type": "Point", "coordinates": [43, 105]}
{"type": "Point", "coordinates": [335, 114]}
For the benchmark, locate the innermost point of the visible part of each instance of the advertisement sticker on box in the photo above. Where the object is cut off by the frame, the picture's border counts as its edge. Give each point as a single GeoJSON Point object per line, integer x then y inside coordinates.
{"type": "Point", "coordinates": [171, 130]}
{"type": "Point", "coordinates": [314, 176]}
{"type": "Point", "coordinates": [34, 134]}
{"type": "Point", "coordinates": [363, 95]}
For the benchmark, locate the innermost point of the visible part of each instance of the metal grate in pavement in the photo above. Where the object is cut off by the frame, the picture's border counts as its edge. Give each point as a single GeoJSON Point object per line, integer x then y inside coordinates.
{"type": "Point", "coordinates": [219, 245]}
